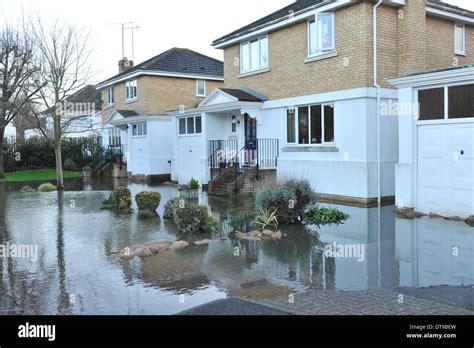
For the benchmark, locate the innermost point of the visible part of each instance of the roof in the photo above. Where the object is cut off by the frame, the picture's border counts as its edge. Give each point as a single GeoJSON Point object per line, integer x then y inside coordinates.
{"type": "Point", "coordinates": [129, 113]}
{"type": "Point", "coordinates": [241, 95]}
{"type": "Point", "coordinates": [281, 14]}
{"type": "Point", "coordinates": [301, 5]}
{"type": "Point", "coordinates": [178, 61]}
{"type": "Point", "coordinates": [451, 8]}
{"type": "Point", "coordinates": [450, 68]}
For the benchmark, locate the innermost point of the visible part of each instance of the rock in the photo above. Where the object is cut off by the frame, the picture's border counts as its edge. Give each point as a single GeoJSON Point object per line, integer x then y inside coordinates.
{"type": "Point", "coordinates": [143, 251]}
{"type": "Point", "coordinates": [126, 253]}
{"type": "Point", "coordinates": [436, 216]}
{"type": "Point", "coordinates": [409, 214]}
{"type": "Point", "coordinates": [179, 245]}
{"type": "Point", "coordinates": [154, 242]}
{"type": "Point", "coordinates": [206, 242]}
{"type": "Point", "coordinates": [268, 233]}
{"type": "Point", "coordinates": [456, 218]}
{"type": "Point", "coordinates": [157, 248]}
{"type": "Point", "coordinates": [254, 234]}
{"type": "Point", "coordinates": [246, 236]}
{"type": "Point", "coordinates": [470, 221]}
{"type": "Point", "coordinates": [27, 189]}
{"type": "Point", "coordinates": [277, 235]}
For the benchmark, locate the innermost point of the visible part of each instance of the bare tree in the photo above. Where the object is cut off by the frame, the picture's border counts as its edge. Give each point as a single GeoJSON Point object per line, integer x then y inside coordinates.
{"type": "Point", "coordinates": [17, 70]}
{"type": "Point", "coordinates": [65, 68]}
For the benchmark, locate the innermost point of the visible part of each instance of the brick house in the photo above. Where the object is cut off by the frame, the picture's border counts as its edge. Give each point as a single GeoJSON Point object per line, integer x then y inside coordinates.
{"type": "Point", "coordinates": [136, 100]}
{"type": "Point", "coordinates": [301, 95]}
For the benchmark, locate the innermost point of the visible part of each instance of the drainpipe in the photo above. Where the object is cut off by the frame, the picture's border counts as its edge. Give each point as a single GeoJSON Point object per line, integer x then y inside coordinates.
{"type": "Point", "coordinates": [379, 190]}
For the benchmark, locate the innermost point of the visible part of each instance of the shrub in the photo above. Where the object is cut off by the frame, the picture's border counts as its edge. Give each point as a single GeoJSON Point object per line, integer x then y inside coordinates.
{"type": "Point", "coordinates": [123, 198]}
{"type": "Point", "coordinates": [194, 220]}
{"type": "Point", "coordinates": [148, 201]}
{"type": "Point", "coordinates": [69, 164]}
{"type": "Point", "coordinates": [87, 169]}
{"type": "Point", "coordinates": [265, 219]}
{"type": "Point", "coordinates": [193, 184]}
{"type": "Point", "coordinates": [171, 206]}
{"type": "Point", "coordinates": [27, 188]}
{"type": "Point", "coordinates": [325, 216]}
{"type": "Point", "coordinates": [242, 221]}
{"type": "Point", "coordinates": [46, 187]}
{"type": "Point", "coordinates": [290, 199]}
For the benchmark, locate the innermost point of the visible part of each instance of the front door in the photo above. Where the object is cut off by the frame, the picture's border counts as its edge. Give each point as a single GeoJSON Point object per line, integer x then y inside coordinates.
{"type": "Point", "coordinates": [250, 132]}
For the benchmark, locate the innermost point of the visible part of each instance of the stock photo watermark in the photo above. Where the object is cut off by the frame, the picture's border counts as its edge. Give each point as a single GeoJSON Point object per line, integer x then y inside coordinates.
{"type": "Point", "coordinates": [19, 251]}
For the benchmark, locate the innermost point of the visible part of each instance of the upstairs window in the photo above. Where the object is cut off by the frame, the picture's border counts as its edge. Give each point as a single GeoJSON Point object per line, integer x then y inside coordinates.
{"type": "Point", "coordinates": [460, 39]}
{"type": "Point", "coordinates": [110, 96]}
{"type": "Point", "coordinates": [201, 88]}
{"type": "Point", "coordinates": [321, 34]}
{"type": "Point", "coordinates": [131, 90]}
{"type": "Point", "coordinates": [254, 55]}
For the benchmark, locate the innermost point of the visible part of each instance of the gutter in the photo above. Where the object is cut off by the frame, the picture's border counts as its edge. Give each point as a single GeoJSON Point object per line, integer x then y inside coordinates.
{"type": "Point", "coordinates": [379, 176]}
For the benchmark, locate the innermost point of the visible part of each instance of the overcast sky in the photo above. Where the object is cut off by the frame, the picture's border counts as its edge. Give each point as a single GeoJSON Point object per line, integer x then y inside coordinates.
{"type": "Point", "coordinates": [163, 24]}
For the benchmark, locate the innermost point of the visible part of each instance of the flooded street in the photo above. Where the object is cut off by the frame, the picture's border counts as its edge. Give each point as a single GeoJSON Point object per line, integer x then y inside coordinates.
{"type": "Point", "coordinates": [76, 271]}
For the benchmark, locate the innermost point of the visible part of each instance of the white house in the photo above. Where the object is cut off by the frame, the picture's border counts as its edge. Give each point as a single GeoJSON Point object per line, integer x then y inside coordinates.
{"type": "Point", "coordinates": [435, 173]}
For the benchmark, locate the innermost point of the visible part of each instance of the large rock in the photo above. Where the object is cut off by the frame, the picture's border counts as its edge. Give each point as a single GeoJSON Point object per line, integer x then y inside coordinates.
{"type": "Point", "coordinates": [179, 245]}
{"type": "Point", "coordinates": [207, 241]}
{"type": "Point", "coordinates": [470, 221]}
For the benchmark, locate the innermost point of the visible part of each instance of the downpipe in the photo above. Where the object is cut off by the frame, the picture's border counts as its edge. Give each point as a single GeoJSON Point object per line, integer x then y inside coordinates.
{"type": "Point", "coordinates": [379, 186]}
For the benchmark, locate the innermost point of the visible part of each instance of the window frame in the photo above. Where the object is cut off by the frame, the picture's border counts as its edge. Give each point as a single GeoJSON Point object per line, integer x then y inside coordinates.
{"type": "Point", "coordinates": [186, 118]}
{"type": "Point", "coordinates": [143, 127]}
{"type": "Point", "coordinates": [296, 125]}
{"type": "Point", "coordinates": [110, 96]}
{"type": "Point", "coordinates": [131, 85]}
{"type": "Point", "coordinates": [260, 66]}
{"type": "Point", "coordinates": [463, 51]}
{"type": "Point", "coordinates": [197, 89]}
{"type": "Point", "coordinates": [315, 20]}
{"type": "Point", "coordinates": [446, 118]}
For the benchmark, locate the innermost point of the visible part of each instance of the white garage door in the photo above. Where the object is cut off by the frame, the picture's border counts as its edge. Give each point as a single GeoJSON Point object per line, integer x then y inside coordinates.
{"type": "Point", "coordinates": [190, 153]}
{"type": "Point", "coordinates": [446, 169]}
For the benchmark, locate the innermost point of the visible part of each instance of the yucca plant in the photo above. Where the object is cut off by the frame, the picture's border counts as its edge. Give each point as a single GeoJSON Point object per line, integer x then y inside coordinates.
{"type": "Point", "coordinates": [265, 219]}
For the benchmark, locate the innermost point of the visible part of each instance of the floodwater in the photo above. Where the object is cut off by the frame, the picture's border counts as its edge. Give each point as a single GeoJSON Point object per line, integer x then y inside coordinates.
{"type": "Point", "coordinates": [74, 270]}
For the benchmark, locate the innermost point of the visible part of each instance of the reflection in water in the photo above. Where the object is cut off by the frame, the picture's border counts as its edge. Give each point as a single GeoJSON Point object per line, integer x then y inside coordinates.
{"type": "Point", "coordinates": [77, 272]}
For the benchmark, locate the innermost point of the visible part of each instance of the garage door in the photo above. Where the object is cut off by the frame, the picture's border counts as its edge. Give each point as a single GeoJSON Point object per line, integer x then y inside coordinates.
{"type": "Point", "coordinates": [190, 153]}
{"type": "Point", "coordinates": [446, 169]}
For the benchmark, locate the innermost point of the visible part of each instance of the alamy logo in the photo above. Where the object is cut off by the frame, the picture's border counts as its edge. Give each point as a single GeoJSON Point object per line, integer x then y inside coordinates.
{"type": "Point", "coordinates": [349, 251]}
{"type": "Point", "coordinates": [37, 331]}
{"type": "Point", "coordinates": [11, 250]}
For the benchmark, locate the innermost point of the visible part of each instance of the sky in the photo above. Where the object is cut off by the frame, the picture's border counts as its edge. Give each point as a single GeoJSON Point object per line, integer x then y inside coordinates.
{"type": "Point", "coordinates": [164, 24]}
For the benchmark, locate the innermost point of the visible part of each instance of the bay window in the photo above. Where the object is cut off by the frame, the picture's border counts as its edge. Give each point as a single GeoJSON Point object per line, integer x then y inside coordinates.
{"type": "Point", "coordinates": [321, 34]}
{"type": "Point", "coordinates": [254, 55]}
{"type": "Point", "coordinates": [311, 125]}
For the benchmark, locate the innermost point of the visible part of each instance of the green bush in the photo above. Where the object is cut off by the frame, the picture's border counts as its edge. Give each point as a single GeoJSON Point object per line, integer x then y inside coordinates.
{"type": "Point", "coordinates": [87, 169]}
{"type": "Point", "coordinates": [123, 198]}
{"type": "Point", "coordinates": [193, 184]}
{"type": "Point", "coordinates": [325, 216]}
{"type": "Point", "coordinates": [194, 220]}
{"type": "Point", "coordinates": [291, 199]}
{"type": "Point", "coordinates": [27, 188]}
{"type": "Point", "coordinates": [69, 165]}
{"type": "Point", "coordinates": [243, 221]}
{"type": "Point", "coordinates": [148, 201]}
{"type": "Point", "coordinates": [171, 206]}
{"type": "Point", "coordinates": [266, 218]}
{"type": "Point", "coordinates": [46, 187]}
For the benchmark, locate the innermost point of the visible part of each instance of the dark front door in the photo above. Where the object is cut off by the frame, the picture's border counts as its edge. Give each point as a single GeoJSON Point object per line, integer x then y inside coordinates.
{"type": "Point", "coordinates": [250, 132]}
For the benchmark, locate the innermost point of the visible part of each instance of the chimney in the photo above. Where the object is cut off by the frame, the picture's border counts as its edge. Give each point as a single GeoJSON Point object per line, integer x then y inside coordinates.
{"type": "Point", "coordinates": [125, 64]}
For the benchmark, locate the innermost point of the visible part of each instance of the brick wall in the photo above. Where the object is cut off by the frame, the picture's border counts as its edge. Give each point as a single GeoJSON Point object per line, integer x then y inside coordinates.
{"type": "Point", "coordinates": [408, 41]}
{"type": "Point", "coordinates": [158, 94]}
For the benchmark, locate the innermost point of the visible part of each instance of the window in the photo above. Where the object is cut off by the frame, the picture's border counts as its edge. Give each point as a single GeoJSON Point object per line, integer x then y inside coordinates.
{"type": "Point", "coordinates": [114, 137]}
{"type": "Point", "coordinates": [321, 34]}
{"type": "Point", "coordinates": [461, 101]}
{"type": "Point", "coordinates": [139, 129]}
{"type": "Point", "coordinates": [431, 104]}
{"type": "Point", "coordinates": [110, 96]}
{"type": "Point", "coordinates": [311, 125]}
{"type": "Point", "coordinates": [131, 90]}
{"type": "Point", "coordinates": [443, 103]}
{"type": "Point", "coordinates": [201, 88]}
{"type": "Point", "coordinates": [459, 39]}
{"type": "Point", "coordinates": [234, 124]}
{"type": "Point", "coordinates": [190, 125]}
{"type": "Point", "coordinates": [254, 55]}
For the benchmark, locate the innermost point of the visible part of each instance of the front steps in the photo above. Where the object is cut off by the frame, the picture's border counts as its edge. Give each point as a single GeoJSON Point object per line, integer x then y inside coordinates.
{"type": "Point", "coordinates": [224, 184]}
